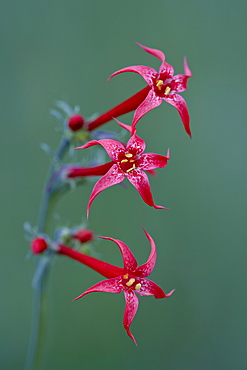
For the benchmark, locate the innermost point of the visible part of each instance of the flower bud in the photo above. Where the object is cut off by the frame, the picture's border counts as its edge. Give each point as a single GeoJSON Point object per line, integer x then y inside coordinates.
{"type": "Point", "coordinates": [38, 245]}
{"type": "Point", "coordinates": [76, 122]}
{"type": "Point", "coordinates": [84, 235]}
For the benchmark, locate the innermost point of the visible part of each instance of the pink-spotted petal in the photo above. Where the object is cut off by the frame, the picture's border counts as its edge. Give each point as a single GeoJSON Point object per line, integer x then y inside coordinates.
{"type": "Point", "coordinates": [179, 83]}
{"type": "Point", "coordinates": [130, 311]}
{"type": "Point", "coordinates": [112, 147]}
{"type": "Point", "coordinates": [150, 161]}
{"type": "Point", "coordinates": [165, 70]}
{"type": "Point", "coordinates": [109, 286]}
{"type": "Point", "coordinates": [128, 257]}
{"type": "Point", "coordinates": [187, 71]}
{"type": "Point", "coordinates": [152, 101]}
{"type": "Point", "coordinates": [157, 53]}
{"type": "Point", "coordinates": [146, 269]}
{"type": "Point", "coordinates": [140, 181]}
{"type": "Point", "coordinates": [147, 73]}
{"type": "Point", "coordinates": [148, 287]}
{"type": "Point", "coordinates": [112, 177]}
{"type": "Point", "coordinates": [136, 144]}
{"type": "Point", "coordinates": [178, 102]}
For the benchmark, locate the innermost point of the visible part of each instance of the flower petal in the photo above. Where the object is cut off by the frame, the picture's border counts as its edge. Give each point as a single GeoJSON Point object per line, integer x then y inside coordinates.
{"type": "Point", "coordinates": [166, 69]}
{"type": "Point", "coordinates": [152, 101]}
{"type": "Point", "coordinates": [112, 147]}
{"type": "Point", "coordinates": [130, 311]}
{"type": "Point", "coordinates": [110, 286]}
{"type": "Point", "coordinates": [179, 83]}
{"type": "Point", "coordinates": [148, 287]}
{"type": "Point", "coordinates": [128, 257]}
{"type": "Point", "coordinates": [157, 53]}
{"type": "Point", "coordinates": [140, 181]}
{"type": "Point", "coordinates": [146, 269]}
{"type": "Point", "coordinates": [147, 73]}
{"type": "Point", "coordinates": [112, 177]}
{"type": "Point", "coordinates": [178, 102]}
{"type": "Point", "coordinates": [136, 144]}
{"type": "Point", "coordinates": [149, 161]}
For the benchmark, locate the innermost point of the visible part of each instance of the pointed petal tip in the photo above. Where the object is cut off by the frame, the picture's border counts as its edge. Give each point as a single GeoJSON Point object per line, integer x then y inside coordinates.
{"type": "Point", "coordinates": [131, 336]}
{"type": "Point", "coordinates": [160, 207]}
{"type": "Point", "coordinates": [170, 293]}
{"type": "Point", "coordinates": [79, 147]}
{"type": "Point", "coordinates": [79, 296]}
{"type": "Point", "coordinates": [87, 214]}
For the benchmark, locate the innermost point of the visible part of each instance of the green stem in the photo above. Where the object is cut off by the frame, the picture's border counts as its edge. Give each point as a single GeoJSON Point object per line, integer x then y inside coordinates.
{"type": "Point", "coordinates": [42, 270]}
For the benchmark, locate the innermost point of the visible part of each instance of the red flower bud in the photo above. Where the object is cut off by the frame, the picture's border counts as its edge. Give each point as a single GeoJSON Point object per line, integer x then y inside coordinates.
{"type": "Point", "coordinates": [76, 122]}
{"type": "Point", "coordinates": [84, 235]}
{"type": "Point", "coordinates": [38, 245]}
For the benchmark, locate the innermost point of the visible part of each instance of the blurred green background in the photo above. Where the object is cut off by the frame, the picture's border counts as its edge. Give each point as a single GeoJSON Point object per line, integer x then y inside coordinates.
{"type": "Point", "coordinates": [66, 50]}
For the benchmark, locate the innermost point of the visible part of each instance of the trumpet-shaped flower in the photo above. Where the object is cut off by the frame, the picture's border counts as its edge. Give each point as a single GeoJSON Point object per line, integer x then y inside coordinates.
{"type": "Point", "coordinates": [163, 86]}
{"type": "Point", "coordinates": [128, 162]}
{"type": "Point", "coordinates": [131, 279]}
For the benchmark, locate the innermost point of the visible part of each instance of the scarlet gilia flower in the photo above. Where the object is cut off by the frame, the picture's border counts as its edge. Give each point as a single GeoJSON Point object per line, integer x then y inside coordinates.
{"type": "Point", "coordinates": [38, 245]}
{"type": "Point", "coordinates": [131, 279]}
{"type": "Point", "coordinates": [128, 162]}
{"type": "Point", "coordinates": [76, 122]}
{"type": "Point", "coordinates": [163, 86]}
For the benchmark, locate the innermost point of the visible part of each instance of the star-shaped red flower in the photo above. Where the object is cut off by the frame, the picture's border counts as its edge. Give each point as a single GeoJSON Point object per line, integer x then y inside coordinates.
{"type": "Point", "coordinates": [131, 279]}
{"type": "Point", "coordinates": [128, 162]}
{"type": "Point", "coordinates": [163, 86]}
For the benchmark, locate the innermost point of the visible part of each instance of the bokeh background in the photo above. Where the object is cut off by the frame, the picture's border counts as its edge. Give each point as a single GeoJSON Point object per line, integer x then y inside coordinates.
{"type": "Point", "coordinates": [66, 50]}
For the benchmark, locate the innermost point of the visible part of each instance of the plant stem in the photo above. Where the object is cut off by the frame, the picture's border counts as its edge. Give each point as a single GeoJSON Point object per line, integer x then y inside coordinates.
{"type": "Point", "coordinates": [42, 270]}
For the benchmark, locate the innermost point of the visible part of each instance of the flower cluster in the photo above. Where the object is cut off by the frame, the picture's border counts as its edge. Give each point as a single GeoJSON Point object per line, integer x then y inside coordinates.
{"type": "Point", "coordinates": [126, 161]}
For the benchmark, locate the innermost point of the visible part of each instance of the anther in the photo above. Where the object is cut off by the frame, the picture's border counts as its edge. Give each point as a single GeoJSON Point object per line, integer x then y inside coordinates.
{"type": "Point", "coordinates": [128, 155]}
{"type": "Point", "coordinates": [131, 281]}
{"type": "Point", "coordinates": [124, 160]}
{"type": "Point", "coordinates": [126, 276]}
{"type": "Point", "coordinates": [167, 90]}
{"type": "Point", "coordinates": [138, 286]}
{"type": "Point", "coordinates": [159, 83]}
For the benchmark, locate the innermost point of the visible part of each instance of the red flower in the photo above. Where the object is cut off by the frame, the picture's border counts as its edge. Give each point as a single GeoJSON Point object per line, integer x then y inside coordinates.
{"type": "Point", "coordinates": [128, 161]}
{"type": "Point", "coordinates": [131, 279]}
{"type": "Point", "coordinates": [164, 86]}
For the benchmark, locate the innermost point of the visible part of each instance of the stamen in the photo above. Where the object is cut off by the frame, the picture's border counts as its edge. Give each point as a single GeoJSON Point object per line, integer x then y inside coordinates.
{"type": "Point", "coordinates": [124, 160]}
{"type": "Point", "coordinates": [131, 281]}
{"type": "Point", "coordinates": [167, 90]}
{"type": "Point", "coordinates": [138, 286]}
{"type": "Point", "coordinates": [132, 160]}
{"type": "Point", "coordinates": [128, 155]}
{"type": "Point", "coordinates": [132, 168]}
{"type": "Point", "coordinates": [126, 276]}
{"type": "Point", "coordinates": [159, 83]}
